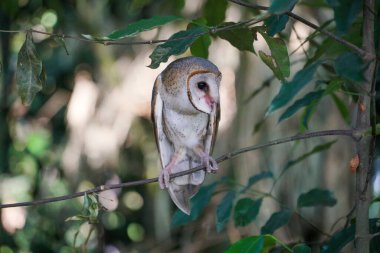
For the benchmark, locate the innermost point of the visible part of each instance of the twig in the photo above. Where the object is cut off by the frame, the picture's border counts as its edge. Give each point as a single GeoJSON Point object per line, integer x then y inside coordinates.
{"type": "Point", "coordinates": [341, 132]}
{"type": "Point", "coordinates": [348, 44]}
{"type": "Point", "coordinates": [213, 30]}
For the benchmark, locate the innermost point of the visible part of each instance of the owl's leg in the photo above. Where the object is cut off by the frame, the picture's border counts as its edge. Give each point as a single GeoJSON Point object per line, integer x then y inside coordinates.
{"type": "Point", "coordinates": [164, 177]}
{"type": "Point", "coordinates": [207, 160]}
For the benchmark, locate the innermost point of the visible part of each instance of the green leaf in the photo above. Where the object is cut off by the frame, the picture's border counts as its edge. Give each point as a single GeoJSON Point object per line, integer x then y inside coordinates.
{"type": "Point", "coordinates": [289, 89]}
{"type": "Point", "coordinates": [215, 11]}
{"type": "Point", "coordinates": [307, 100]}
{"type": "Point", "coordinates": [349, 65]}
{"type": "Point", "coordinates": [276, 24]}
{"type": "Point", "coordinates": [198, 204]}
{"type": "Point", "coordinates": [246, 211]}
{"type": "Point", "coordinates": [270, 62]}
{"type": "Point", "coordinates": [307, 114]}
{"type": "Point", "coordinates": [339, 240]}
{"type": "Point", "coordinates": [342, 107]}
{"type": "Point", "coordinates": [276, 221]}
{"type": "Point", "coordinates": [200, 46]}
{"type": "Point", "coordinates": [90, 210]}
{"type": "Point", "coordinates": [223, 210]}
{"type": "Point", "coordinates": [315, 150]}
{"type": "Point", "coordinates": [281, 6]}
{"type": "Point", "coordinates": [136, 27]}
{"type": "Point", "coordinates": [30, 73]}
{"type": "Point", "coordinates": [255, 244]}
{"type": "Point", "coordinates": [316, 197]}
{"type": "Point", "coordinates": [178, 43]}
{"type": "Point", "coordinates": [301, 248]}
{"type": "Point", "coordinates": [279, 53]}
{"type": "Point", "coordinates": [255, 178]}
{"type": "Point", "coordinates": [345, 12]}
{"type": "Point", "coordinates": [252, 244]}
{"type": "Point", "coordinates": [241, 37]}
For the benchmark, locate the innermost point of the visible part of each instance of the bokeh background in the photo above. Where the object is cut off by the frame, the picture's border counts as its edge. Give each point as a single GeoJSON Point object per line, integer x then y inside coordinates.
{"type": "Point", "coordinates": [91, 125]}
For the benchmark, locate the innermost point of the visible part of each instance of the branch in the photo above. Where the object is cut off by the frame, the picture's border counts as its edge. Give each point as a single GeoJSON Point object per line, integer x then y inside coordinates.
{"type": "Point", "coordinates": [340, 132]}
{"type": "Point", "coordinates": [211, 31]}
{"type": "Point", "coordinates": [362, 53]}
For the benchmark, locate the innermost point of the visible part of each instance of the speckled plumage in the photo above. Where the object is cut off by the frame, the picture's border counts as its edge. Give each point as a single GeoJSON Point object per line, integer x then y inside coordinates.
{"type": "Point", "coordinates": [185, 116]}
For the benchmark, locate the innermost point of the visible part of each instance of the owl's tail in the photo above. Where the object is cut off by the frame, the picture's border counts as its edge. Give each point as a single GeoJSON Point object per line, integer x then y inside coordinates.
{"type": "Point", "coordinates": [182, 188]}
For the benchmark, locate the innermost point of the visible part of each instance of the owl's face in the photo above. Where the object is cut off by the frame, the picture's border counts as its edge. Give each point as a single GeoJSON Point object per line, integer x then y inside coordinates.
{"type": "Point", "coordinates": [203, 90]}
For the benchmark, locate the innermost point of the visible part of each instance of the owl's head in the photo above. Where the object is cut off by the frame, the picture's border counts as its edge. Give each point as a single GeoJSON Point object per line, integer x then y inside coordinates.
{"type": "Point", "coordinates": [203, 90]}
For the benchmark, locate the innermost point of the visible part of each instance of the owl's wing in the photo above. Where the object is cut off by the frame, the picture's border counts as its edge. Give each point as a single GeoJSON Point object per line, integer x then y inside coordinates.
{"type": "Point", "coordinates": [165, 149]}
{"type": "Point", "coordinates": [212, 129]}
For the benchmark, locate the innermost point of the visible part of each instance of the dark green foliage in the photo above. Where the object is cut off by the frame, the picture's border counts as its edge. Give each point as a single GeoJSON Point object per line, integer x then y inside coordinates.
{"type": "Point", "coordinates": [345, 12]}
{"type": "Point", "coordinates": [136, 27]}
{"type": "Point", "coordinates": [256, 178]}
{"type": "Point", "coordinates": [276, 24]}
{"type": "Point", "coordinates": [290, 89]}
{"type": "Point", "coordinates": [349, 65]}
{"type": "Point", "coordinates": [316, 197]}
{"type": "Point", "coordinates": [246, 210]}
{"type": "Point", "coordinates": [239, 37]}
{"type": "Point", "coordinates": [307, 100]}
{"type": "Point", "coordinates": [301, 248]}
{"type": "Point", "coordinates": [178, 43]}
{"type": "Point", "coordinates": [280, 6]}
{"type": "Point", "coordinates": [276, 221]}
{"type": "Point", "coordinates": [223, 210]}
{"type": "Point", "coordinates": [215, 11]}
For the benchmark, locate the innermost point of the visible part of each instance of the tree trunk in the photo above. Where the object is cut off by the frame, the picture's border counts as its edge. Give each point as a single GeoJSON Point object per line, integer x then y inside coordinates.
{"type": "Point", "coordinates": [365, 146]}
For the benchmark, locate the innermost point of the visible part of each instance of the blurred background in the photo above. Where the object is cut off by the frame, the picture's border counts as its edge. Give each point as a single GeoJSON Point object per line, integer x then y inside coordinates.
{"type": "Point", "coordinates": [91, 125]}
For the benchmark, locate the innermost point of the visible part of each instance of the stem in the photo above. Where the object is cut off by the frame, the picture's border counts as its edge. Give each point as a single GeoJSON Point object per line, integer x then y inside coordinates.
{"type": "Point", "coordinates": [363, 146]}
{"type": "Point", "coordinates": [359, 51]}
{"type": "Point", "coordinates": [341, 132]}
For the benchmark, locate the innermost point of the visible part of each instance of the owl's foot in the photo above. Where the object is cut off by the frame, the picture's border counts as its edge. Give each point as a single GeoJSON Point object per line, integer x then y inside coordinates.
{"type": "Point", "coordinates": [164, 178]}
{"type": "Point", "coordinates": [209, 162]}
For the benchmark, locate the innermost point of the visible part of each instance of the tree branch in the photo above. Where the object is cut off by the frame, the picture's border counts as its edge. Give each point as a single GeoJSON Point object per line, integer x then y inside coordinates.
{"type": "Point", "coordinates": [365, 147]}
{"type": "Point", "coordinates": [340, 132]}
{"type": "Point", "coordinates": [362, 53]}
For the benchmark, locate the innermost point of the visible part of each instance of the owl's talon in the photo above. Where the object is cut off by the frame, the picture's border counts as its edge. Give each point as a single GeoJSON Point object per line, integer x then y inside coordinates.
{"type": "Point", "coordinates": [164, 179]}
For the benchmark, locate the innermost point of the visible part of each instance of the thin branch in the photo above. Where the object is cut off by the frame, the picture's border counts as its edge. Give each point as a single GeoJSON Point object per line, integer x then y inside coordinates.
{"type": "Point", "coordinates": [213, 30]}
{"type": "Point", "coordinates": [341, 132]}
{"type": "Point", "coordinates": [359, 51]}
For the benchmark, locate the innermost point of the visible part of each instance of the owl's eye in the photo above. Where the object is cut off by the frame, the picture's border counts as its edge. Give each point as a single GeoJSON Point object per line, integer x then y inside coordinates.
{"type": "Point", "coordinates": [202, 86]}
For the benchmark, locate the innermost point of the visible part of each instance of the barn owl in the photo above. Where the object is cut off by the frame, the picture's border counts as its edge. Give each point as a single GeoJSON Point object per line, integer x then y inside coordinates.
{"type": "Point", "coordinates": [185, 114]}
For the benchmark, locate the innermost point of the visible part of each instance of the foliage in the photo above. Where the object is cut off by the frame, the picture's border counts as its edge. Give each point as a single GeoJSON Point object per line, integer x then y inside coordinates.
{"type": "Point", "coordinates": [326, 73]}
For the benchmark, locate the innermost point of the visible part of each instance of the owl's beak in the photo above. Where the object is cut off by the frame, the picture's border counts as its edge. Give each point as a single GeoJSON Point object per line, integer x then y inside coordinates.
{"type": "Point", "coordinates": [210, 101]}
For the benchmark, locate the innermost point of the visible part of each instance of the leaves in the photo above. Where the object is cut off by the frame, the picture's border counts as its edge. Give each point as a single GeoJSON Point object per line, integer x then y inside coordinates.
{"type": "Point", "coordinates": [316, 197]}
{"type": "Point", "coordinates": [315, 150]}
{"type": "Point", "coordinates": [198, 204]}
{"type": "Point", "coordinates": [241, 37]}
{"type": "Point", "coordinates": [256, 244]}
{"type": "Point", "coordinates": [223, 211]}
{"type": "Point", "coordinates": [345, 12]}
{"type": "Point", "coordinates": [136, 27]}
{"type": "Point", "coordinates": [342, 107]}
{"type": "Point", "coordinates": [177, 44]}
{"type": "Point", "coordinates": [281, 6]}
{"type": "Point", "coordinates": [279, 59]}
{"type": "Point", "coordinates": [276, 221]}
{"type": "Point", "coordinates": [276, 24]}
{"type": "Point", "coordinates": [350, 66]}
{"type": "Point", "coordinates": [301, 248]}
{"type": "Point", "coordinates": [307, 100]}
{"type": "Point", "coordinates": [290, 89]}
{"type": "Point", "coordinates": [215, 11]}
{"type": "Point", "coordinates": [246, 211]}
{"type": "Point", "coordinates": [200, 45]}
{"type": "Point", "coordinates": [339, 240]}
{"type": "Point", "coordinates": [255, 178]}
{"type": "Point", "coordinates": [30, 73]}
{"type": "Point", "coordinates": [90, 210]}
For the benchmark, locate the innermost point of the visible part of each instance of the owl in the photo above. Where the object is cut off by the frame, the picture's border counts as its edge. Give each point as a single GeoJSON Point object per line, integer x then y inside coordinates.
{"type": "Point", "coordinates": [185, 113]}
